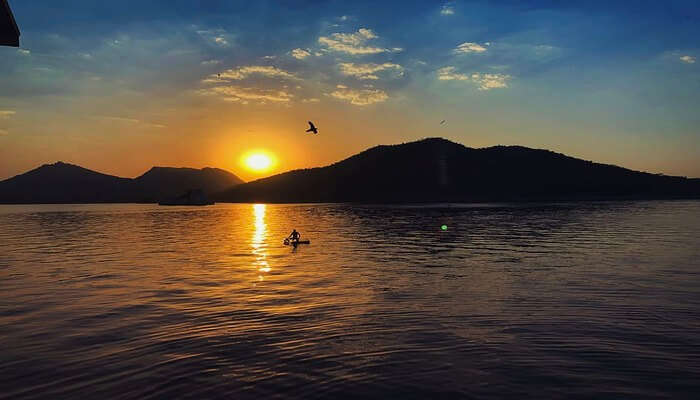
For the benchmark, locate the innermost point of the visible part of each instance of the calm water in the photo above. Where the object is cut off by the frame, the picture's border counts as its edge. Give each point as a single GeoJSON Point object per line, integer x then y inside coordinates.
{"type": "Point", "coordinates": [584, 300]}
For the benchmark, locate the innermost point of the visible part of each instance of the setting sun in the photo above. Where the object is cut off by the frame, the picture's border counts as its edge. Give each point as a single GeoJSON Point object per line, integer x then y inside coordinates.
{"type": "Point", "coordinates": [258, 161]}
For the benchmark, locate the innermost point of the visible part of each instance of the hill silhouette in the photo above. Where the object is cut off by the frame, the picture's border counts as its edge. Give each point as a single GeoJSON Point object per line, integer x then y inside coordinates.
{"type": "Point", "coordinates": [67, 183]}
{"type": "Point", "coordinates": [435, 169]}
{"type": "Point", "coordinates": [163, 182]}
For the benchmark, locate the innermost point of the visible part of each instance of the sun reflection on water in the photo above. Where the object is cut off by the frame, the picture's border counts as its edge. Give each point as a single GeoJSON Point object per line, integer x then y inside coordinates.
{"type": "Point", "coordinates": [258, 240]}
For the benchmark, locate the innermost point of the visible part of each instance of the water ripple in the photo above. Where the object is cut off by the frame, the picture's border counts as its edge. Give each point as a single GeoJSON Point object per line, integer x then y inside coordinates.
{"type": "Point", "coordinates": [570, 300]}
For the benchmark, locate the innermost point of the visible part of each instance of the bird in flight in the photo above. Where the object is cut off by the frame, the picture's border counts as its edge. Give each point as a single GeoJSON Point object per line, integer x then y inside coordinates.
{"type": "Point", "coordinates": [442, 122]}
{"type": "Point", "coordinates": [312, 128]}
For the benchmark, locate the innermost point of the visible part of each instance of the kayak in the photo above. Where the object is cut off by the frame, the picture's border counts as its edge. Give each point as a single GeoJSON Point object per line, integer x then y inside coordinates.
{"type": "Point", "coordinates": [288, 242]}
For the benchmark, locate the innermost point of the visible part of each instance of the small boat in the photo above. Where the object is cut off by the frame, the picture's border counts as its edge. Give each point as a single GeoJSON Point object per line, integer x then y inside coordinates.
{"type": "Point", "coordinates": [295, 243]}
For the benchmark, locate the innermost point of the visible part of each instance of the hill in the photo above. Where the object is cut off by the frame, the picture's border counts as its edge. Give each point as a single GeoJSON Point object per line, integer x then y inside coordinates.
{"type": "Point", "coordinates": [163, 182]}
{"type": "Point", "coordinates": [436, 169]}
{"type": "Point", "coordinates": [66, 183]}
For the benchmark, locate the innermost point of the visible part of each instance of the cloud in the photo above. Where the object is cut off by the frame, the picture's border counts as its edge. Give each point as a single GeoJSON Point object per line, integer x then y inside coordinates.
{"type": "Point", "coordinates": [543, 49]}
{"type": "Point", "coordinates": [300, 54]}
{"type": "Point", "coordinates": [359, 97]}
{"type": "Point", "coordinates": [483, 81]}
{"type": "Point", "coordinates": [246, 94]}
{"type": "Point", "coordinates": [447, 10]}
{"type": "Point", "coordinates": [367, 71]}
{"type": "Point", "coordinates": [491, 81]}
{"type": "Point", "coordinates": [311, 100]}
{"type": "Point", "coordinates": [449, 74]}
{"type": "Point", "coordinates": [5, 114]}
{"type": "Point", "coordinates": [218, 37]}
{"type": "Point", "coordinates": [132, 121]}
{"type": "Point", "coordinates": [119, 119]}
{"type": "Point", "coordinates": [244, 72]}
{"type": "Point", "coordinates": [211, 62]}
{"type": "Point", "coordinates": [352, 43]}
{"type": "Point", "coordinates": [688, 59]}
{"type": "Point", "coordinates": [24, 52]}
{"type": "Point", "coordinates": [470, 47]}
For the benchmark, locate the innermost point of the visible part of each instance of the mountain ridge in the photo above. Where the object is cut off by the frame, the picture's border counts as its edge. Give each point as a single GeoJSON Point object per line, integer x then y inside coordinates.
{"type": "Point", "coordinates": [441, 170]}
{"type": "Point", "coordinates": [427, 170]}
{"type": "Point", "coordinates": [62, 182]}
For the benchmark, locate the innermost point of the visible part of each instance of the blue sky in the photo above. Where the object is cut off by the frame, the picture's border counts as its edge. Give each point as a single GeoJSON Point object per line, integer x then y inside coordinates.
{"type": "Point", "coordinates": [121, 86]}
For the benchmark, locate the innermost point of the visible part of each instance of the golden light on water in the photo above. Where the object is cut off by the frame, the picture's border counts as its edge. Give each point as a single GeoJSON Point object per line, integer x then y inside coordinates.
{"type": "Point", "coordinates": [258, 240]}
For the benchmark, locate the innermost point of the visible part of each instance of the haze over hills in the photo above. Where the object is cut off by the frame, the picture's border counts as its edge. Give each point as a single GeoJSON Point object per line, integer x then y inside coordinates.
{"type": "Point", "coordinates": [67, 183]}
{"type": "Point", "coordinates": [435, 169]}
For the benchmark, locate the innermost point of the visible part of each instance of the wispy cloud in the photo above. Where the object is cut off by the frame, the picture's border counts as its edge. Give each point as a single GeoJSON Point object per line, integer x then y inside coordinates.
{"type": "Point", "coordinates": [359, 97]}
{"type": "Point", "coordinates": [218, 37]}
{"type": "Point", "coordinates": [368, 71]}
{"type": "Point", "coordinates": [688, 59]}
{"type": "Point", "coordinates": [491, 81]}
{"type": "Point", "coordinates": [246, 94]}
{"type": "Point", "coordinates": [241, 73]}
{"type": "Point", "coordinates": [449, 74]}
{"type": "Point", "coordinates": [211, 62]}
{"type": "Point", "coordinates": [119, 119]}
{"type": "Point", "coordinates": [352, 43]}
{"type": "Point", "coordinates": [132, 121]}
{"type": "Point", "coordinates": [470, 47]}
{"type": "Point", "coordinates": [5, 114]}
{"type": "Point", "coordinates": [300, 54]}
{"type": "Point", "coordinates": [483, 81]}
{"type": "Point", "coordinates": [447, 9]}
{"type": "Point", "coordinates": [311, 100]}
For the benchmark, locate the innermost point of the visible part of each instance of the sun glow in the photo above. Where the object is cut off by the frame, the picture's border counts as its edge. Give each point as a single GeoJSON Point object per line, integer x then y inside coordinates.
{"type": "Point", "coordinates": [258, 161]}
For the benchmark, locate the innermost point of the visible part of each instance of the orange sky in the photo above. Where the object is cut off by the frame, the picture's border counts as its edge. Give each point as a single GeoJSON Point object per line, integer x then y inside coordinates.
{"type": "Point", "coordinates": [119, 94]}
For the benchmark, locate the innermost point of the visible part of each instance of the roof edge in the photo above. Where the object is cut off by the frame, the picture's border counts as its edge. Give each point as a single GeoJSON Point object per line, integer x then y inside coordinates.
{"type": "Point", "coordinates": [12, 16]}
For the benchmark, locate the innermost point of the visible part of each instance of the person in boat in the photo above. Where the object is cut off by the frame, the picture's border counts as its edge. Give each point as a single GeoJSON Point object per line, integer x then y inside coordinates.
{"type": "Point", "coordinates": [294, 236]}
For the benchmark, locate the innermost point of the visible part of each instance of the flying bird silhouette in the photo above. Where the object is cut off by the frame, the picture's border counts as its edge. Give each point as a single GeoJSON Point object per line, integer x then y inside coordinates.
{"type": "Point", "coordinates": [442, 122]}
{"type": "Point", "coordinates": [312, 128]}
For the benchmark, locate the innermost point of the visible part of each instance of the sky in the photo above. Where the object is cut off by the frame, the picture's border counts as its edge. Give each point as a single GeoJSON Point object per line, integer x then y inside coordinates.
{"type": "Point", "coordinates": [120, 86]}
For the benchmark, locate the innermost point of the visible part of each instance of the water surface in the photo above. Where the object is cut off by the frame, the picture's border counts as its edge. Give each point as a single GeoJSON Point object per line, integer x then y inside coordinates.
{"type": "Point", "coordinates": [577, 300]}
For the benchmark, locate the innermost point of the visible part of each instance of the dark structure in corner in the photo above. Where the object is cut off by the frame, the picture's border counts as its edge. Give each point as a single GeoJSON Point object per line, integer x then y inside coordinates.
{"type": "Point", "coordinates": [9, 32]}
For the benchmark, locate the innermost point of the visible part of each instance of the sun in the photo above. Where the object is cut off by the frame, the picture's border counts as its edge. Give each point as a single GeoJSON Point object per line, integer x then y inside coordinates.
{"type": "Point", "coordinates": [258, 161]}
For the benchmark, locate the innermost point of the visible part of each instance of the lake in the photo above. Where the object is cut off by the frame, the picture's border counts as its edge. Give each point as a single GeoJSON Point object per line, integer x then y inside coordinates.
{"type": "Point", "coordinates": [562, 301]}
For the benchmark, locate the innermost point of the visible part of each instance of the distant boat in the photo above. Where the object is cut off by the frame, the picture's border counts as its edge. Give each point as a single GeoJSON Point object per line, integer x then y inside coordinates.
{"type": "Point", "coordinates": [195, 197]}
